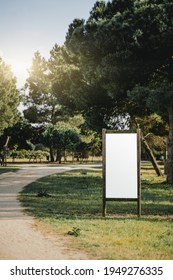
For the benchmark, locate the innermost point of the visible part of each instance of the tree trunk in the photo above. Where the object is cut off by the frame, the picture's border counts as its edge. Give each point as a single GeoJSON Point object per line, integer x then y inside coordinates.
{"type": "Point", "coordinates": [152, 158]}
{"type": "Point", "coordinates": [59, 156]}
{"type": "Point", "coordinates": [65, 156]}
{"type": "Point", "coordinates": [165, 160]}
{"type": "Point", "coordinates": [51, 155]}
{"type": "Point", "coordinates": [169, 166]}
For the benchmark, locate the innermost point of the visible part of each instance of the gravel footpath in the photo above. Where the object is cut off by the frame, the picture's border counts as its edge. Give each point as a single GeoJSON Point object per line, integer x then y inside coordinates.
{"type": "Point", "coordinates": [19, 237]}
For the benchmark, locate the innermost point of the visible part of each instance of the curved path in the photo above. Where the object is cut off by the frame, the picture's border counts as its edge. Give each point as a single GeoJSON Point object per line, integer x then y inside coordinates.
{"type": "Point", "coordinates": [19, 238]}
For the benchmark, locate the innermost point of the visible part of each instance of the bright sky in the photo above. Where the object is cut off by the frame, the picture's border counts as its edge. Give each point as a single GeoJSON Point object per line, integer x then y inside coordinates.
{"type": "Point", "coordinates": [30, 25]}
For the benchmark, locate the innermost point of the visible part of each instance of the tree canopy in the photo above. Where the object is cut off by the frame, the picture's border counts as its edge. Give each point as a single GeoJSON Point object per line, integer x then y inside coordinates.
{"type": "Point", "coordinates": [126, 47]}
{"type": "Point", "coordinates": [61, 136]}
{"type": "Point", "coordinates": [122, 44]}
{"type": "Point", "coordinates": [47, 85]}
{"type": "Point", "coordinates": [9, 97]}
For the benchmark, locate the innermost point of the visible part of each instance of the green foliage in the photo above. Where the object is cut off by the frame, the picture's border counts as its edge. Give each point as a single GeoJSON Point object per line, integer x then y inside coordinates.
{"type": "Point", "coordinates": [96, 146]}
{"type": "Point", "coordinates": [122, 44]}
{"type": "Point", "coordinates": [22, 134]}
{"type": "Point", "coordinates": [75, 231]}
{"type": "Point", "coordinates": [17, 154]}
{"type": "Point", "coordinates": [42, 104]}
{"type": "Point", "coordinates": [32, 155]}
{"type": "Point", "coordinates": [61, 136]}
{"type": "Point", "coordinates": [47, 84]}
{"type": "Point", "coordinates": [125, 47]}
{"type": "Point", "coordinates": [154, 131]}
{"type": "Point", "coordinates": [157, 99]}
{"type": "Point", "coordinates": [113, 67]}
{"type": "Point", "coordinates": [36, 155]}
{"type": "Point", "coordinates": [152, 124]}
{"type": "Point", "coordinates": [9, 97]}
{"type": "Point", "coordinates": [64, 74]}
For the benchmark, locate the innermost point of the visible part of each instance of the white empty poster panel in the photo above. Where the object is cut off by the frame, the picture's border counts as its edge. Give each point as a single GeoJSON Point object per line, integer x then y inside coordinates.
{"type": "Point", "coordinates": [121, 165]}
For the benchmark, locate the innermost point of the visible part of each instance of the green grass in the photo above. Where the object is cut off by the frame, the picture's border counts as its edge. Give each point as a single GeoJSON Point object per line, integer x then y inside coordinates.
{"type": "Point", "coordinates": [7, 169]}
{"type": "Point", "coordinates": [72, 202]}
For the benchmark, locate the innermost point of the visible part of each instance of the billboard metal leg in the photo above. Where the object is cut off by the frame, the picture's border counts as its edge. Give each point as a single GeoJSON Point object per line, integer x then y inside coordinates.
{"type": "Point", "coordinates": [104, 208]}
{"type": "Point", "coordinates": [139, 170]}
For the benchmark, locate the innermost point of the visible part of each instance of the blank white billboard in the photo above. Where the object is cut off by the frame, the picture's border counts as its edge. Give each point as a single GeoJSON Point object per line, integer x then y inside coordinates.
{"type": "Point", "coordinates": [121, 165]}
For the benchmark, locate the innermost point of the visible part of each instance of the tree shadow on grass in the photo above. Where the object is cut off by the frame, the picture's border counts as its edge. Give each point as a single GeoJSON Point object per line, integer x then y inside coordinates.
{"type": "Point", "coordinates": [80, 196]}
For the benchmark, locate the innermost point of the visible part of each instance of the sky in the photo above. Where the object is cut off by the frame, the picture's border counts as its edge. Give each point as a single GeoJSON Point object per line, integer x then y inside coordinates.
{"type": "Point", "coordinates": [30, 25]}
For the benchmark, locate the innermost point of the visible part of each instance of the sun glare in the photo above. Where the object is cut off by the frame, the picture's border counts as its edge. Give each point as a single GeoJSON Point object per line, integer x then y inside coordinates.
{"type": "Point", "coordinates": [1, 54]}
{"type": "Point", "coordinates": [19, 69]}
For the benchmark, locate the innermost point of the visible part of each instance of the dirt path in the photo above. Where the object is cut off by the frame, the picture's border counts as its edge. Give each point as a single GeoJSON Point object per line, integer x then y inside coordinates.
{"type": "Point", "coordinates": [19, 239]}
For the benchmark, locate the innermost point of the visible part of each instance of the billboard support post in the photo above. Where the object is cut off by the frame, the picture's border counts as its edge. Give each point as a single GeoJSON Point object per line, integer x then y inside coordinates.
{"type": "Point", "coordinates": [104, 170]}
{"type": "Point", "coordinates": [139, 169]}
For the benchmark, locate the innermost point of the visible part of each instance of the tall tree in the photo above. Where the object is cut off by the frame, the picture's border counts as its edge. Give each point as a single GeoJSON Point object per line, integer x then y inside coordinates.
{"type": "Point", "coordinates": [126, 47]}
{"type": "Point", "coordinates": [9, 97]}
{"type": "Point", "coordinates": [60, 137]}
{"type": "Point", "coordinates": [20, 134]}
{"type": "Point", "coordinates": [93, 100]}
{"type": "Point", "coordinates": [41, 102]}
{"type": "Point", "coordinates": [47, 86]}
{"type": "Point", "coordinates": [63, 74]}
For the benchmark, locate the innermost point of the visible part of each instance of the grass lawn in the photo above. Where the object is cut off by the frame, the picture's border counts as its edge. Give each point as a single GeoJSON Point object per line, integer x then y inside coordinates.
{"type": "Point", "coordinates": [71, 204]}
{"type": "Point", "coordinates": [7, 169]}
